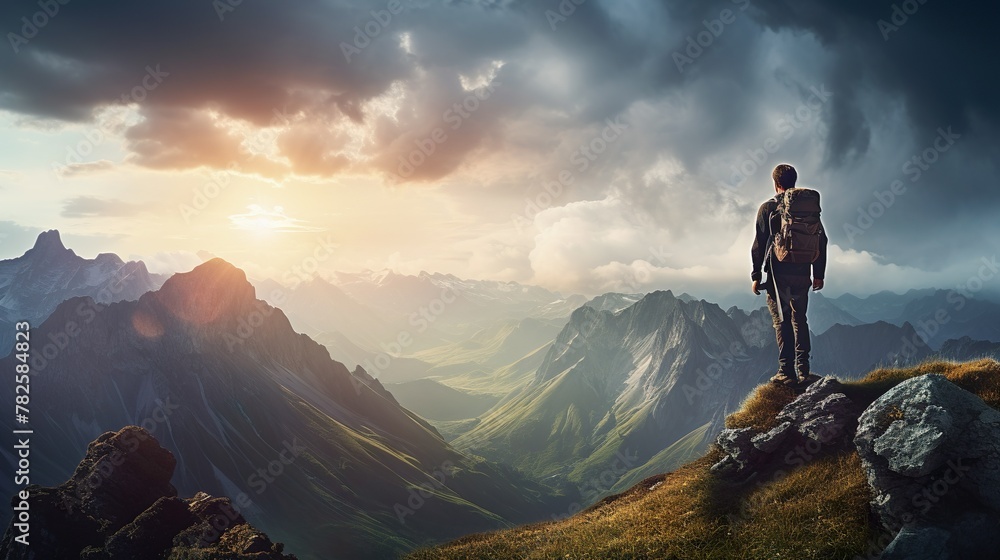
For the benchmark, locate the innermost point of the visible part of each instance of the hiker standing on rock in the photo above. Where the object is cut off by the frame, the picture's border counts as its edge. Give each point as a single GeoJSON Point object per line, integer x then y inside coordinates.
{"type": "Point", "coordinates": [790, 246]}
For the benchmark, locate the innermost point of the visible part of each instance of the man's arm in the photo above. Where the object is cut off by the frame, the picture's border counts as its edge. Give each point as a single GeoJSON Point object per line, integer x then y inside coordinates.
{"type": "Point", "coordinates": [819, 267]}
{"type": "Point", "coordinates": [760, 242]}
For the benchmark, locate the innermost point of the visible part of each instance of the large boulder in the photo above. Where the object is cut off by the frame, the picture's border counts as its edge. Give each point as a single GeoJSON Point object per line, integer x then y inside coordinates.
{"type": "Point", "coordinates": [820, 420]}
{"type": "Point", "coordinates": [931, 452]}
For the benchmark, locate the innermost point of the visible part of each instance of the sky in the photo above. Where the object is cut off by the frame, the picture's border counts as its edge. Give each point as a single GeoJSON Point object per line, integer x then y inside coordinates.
{"type": "Point", "coordinates": [582, 145]}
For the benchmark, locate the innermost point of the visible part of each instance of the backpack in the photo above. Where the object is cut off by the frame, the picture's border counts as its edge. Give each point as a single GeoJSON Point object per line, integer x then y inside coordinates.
{"type": "Point", "coordinates": [799, 238]}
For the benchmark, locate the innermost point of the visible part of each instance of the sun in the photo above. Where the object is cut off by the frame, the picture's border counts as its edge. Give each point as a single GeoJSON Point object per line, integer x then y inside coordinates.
{"type": "Point", "coordinates": [262, 225]}
{"type": "Point", "coordinates": [259, 219]}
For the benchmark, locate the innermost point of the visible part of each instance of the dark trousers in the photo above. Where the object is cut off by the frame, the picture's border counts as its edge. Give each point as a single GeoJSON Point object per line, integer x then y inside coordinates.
{"type": "Point", "coordinates": [790, 328]}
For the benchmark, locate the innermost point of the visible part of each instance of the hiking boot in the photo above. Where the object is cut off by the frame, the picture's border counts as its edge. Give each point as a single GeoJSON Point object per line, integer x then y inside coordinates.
{"type": "Point", "coordinates": [807, 379]}
{"type": "Point", "coordinates": [784, 380]}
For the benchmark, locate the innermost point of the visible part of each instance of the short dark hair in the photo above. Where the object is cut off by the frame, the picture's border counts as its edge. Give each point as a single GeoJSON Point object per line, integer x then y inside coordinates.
{"type": "Point", "coordinates": [785, 176]}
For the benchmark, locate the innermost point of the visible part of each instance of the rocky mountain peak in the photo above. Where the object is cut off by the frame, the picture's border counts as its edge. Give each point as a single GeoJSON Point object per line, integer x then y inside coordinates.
{"type": "Point", "coordinates": [142, 476]}
{"type": "Point", "coordinates": [208, 293]}
{"type": "Point", "coordinates": [49, 243]}
{"type": "Point", "coordinates": [112, 259]}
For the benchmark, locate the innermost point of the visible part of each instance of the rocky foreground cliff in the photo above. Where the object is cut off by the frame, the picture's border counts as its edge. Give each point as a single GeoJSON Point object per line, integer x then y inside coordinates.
{"type": "Point", "coordinates": [904, 464]}
{"type": "Point", "coordinates": [120, 505]}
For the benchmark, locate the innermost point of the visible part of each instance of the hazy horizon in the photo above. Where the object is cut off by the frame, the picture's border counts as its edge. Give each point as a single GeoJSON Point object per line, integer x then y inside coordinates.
{"type": "Point", "coordinates": [301, 274]}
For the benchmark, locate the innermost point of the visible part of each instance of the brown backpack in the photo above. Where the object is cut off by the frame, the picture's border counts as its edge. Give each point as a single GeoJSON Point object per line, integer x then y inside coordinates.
{"type": "Point", "coordinates": [800, 234]}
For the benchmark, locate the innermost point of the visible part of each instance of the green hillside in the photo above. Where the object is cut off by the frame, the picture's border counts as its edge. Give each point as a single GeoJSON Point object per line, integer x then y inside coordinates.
{"type": "Point", "coordinates": [494, 361]}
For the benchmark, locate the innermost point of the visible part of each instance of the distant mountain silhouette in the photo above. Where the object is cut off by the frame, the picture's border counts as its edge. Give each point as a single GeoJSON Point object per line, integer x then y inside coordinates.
{"type": "Point", "coordinates": [848, 352]}
{"type": "Point", "coordinates": [950, 315]}
{"type": "Point", "coordinates": [756, 327]}
{"type": "Point", "coordinates": [825, 313]}
{"type": "Point", "coordinates": [966, 348]}
{"type": "Point", "coordinates": [370, 309]}
{"type": "Point", "coordinates": [438, 402]}
{"type": "Point", "coordinates": [318, 308]}
{"type": "Point", "coordinates": [883, 306]}
{"type": "Point", "coordinates": [32, 285]}
{"type": "Point", "coordinates": [613, 302]}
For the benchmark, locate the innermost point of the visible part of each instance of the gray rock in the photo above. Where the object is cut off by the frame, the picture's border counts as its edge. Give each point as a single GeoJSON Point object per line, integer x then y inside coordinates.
{"type": "Point", "coordinates": [927, 442]}
{"type": "Point", "coordinates": [738, 448]}
{"type": "Point", "coordinates": [726, 467]}
{"type": "Point", "coordinates": [931, 451]}
{"type": "Point", "coordinates": [734, 442]}
{"type": "Point", "coordinates": [829, 419]}
{"type": "Point", "coordinates": [772, 440]}
{"type": "Point", "coordinates": [822, 414]}
{"type": "Point", "coordinates": [805, 406]}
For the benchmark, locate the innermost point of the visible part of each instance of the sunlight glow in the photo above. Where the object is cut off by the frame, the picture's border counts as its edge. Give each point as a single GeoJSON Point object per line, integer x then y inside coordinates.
{"type": "Point", "coordinates": [260, 219]}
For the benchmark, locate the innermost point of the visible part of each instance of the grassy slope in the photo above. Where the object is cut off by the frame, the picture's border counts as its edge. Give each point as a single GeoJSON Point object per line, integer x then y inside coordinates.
{"type": "Point", "coordinates": [684, 450]}
{"type": "Point", "coordinates": [818, 511]}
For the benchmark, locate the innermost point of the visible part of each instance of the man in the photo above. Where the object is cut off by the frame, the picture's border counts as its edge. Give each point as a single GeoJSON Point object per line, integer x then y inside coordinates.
{"type": "Point", "coordinates": [787, 285]}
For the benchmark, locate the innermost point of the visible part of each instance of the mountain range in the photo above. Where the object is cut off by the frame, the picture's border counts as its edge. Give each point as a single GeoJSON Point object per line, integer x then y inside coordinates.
{"type": "Point", "coordinates": [325, 458]}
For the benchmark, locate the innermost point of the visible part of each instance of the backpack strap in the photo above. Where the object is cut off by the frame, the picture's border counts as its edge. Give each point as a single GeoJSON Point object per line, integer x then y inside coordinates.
{"type": "Point", "coordinates": [769, 256]}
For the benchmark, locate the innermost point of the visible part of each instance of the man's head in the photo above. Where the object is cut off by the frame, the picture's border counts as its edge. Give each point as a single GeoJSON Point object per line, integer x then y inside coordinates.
{"type": "Point", "coordinates": [784, 177]}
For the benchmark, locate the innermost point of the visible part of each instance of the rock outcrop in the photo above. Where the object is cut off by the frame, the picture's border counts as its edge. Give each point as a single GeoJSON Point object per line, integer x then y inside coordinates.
{"type": "Point", "coordinates": [931, 451]}
{"type": "Point", "coordinates": [817, 421]}
{"type": "Point", "coordinates": [119, 505]}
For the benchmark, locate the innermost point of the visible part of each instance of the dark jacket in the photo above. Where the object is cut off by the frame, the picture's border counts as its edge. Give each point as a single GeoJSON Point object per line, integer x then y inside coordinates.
{"type": "Point", "coordinates": [762, 244]}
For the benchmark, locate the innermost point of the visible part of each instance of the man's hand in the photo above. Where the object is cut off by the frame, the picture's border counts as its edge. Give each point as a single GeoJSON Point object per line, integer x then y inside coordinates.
{"type": "Point", "coordinates": [755, 287]}
{"type": "Point", "coordinates": [817, 284]}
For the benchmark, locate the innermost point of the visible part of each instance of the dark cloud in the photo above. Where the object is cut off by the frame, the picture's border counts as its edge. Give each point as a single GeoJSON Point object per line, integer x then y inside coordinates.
{"type": "Point", "coordinates": [932, 61]}
{"type": "Point", "coordinates": [256, 61]}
